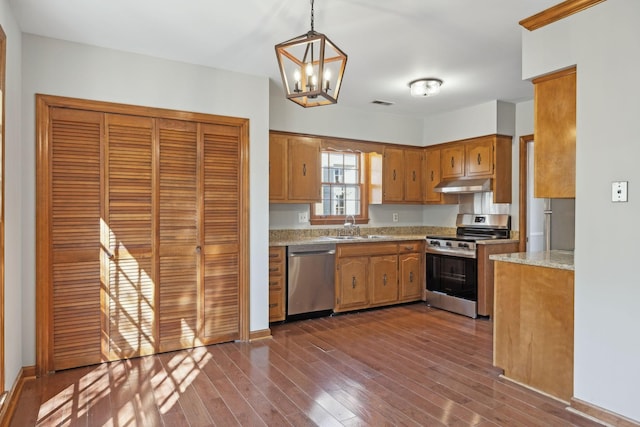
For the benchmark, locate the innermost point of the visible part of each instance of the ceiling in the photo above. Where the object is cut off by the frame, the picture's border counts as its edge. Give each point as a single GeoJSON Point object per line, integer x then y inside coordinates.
{"type": "Point", "coordinates": [474, 46]}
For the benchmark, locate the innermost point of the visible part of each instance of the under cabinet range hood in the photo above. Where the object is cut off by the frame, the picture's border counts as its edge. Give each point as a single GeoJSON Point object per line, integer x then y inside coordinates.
{"type": "Point", "coordinates": [462, 186]}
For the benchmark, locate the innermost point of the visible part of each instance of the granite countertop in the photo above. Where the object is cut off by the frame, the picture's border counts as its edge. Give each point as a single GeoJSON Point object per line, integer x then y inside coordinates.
{"type": "Point", "coordinates": [562, 260]}
{"type": "Point", "coordinates": [333, 239]}
{"type": "Point", "coordinates": [496, 241]}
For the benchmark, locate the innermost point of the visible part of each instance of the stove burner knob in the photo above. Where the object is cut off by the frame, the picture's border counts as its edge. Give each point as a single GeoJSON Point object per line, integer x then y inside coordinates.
{"type": "Point", "coordinates": [448, 244]}
{"type": "Point", "coordinates": [434, 243]}
{"type": "Point", "coordinates": [463, 245]}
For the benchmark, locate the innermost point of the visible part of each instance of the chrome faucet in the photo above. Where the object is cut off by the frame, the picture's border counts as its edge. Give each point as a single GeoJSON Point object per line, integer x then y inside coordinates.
{"type": "Point", "coordinates": [350, 228]}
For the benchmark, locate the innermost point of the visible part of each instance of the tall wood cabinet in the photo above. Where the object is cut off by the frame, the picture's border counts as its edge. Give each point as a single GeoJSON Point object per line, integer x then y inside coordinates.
{"type": "Point", "coordinates": [140, 241]}
{"type": "Point", "coordinates": [554, 130]}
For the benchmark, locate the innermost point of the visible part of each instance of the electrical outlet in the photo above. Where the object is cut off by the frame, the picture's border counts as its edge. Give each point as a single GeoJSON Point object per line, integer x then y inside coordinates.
{"type": "Point", "coordinates": [303, 217]}
{"type": "Point", "coordinates": [619, 191]}
{"type": "Point", "coordinates": [395, 217]}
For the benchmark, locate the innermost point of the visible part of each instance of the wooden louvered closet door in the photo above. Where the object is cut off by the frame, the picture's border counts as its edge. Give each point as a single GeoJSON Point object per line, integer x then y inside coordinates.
{"type": "Point", "coordinates": [179, 237]}
{"type": "Point", "coordinates": [139, 233]}
{"type": "Point", "coordinates": [129, 231]}
{"type": "Point", "coordinates": [221, 217]}
{"type": "Point", "coordinates": [74, 244]}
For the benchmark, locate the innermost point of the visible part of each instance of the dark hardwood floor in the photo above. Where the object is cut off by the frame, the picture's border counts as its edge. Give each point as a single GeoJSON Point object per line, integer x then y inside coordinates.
{"type": "Point", "coordinates": [406, 365]}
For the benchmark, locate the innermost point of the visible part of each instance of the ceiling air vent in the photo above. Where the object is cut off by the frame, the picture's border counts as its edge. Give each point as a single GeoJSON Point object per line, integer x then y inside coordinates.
{"type": "Point", "coordinates": [380, 102]}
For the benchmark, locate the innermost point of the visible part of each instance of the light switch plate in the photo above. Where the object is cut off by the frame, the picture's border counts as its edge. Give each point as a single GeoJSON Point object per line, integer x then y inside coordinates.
{"type": "Point", "coordinates": [619, 191]}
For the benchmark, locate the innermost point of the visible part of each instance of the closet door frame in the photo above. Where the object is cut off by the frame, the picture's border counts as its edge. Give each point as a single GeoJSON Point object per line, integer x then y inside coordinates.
{"type": "Point", "coordinates": [44, 314]}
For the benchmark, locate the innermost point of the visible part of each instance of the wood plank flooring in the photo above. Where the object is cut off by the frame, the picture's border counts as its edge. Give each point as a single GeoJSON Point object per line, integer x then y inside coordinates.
{"type": "Point", "coordinates": [409, 365]}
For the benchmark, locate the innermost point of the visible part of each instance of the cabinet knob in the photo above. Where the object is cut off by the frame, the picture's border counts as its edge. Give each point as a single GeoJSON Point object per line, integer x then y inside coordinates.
{"type": "Point", "coordinates": [353, 282]}
{"type": "Point", "coordinates": [304, 169]}
{"type": "Point", "coordinates": [479, 159]}
{"type": "Point", "coordinates": [394, 174]}
{"type": "Point", "coordinates": [431, 176]}
{"type": "Point", "coordinates": [414, 176]}
{"type": "Point", "coordinates": [411, 277]}
{"type": "Point", "coordinates": [452, 161]}
{"type": "Point", "coordinates": [198, 249]}
{"type": "Point", "coordinates": [384, 280]}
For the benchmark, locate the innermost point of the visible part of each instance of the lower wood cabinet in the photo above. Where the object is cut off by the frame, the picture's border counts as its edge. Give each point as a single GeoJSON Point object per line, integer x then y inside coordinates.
{"type": "Point", "coordinates": [378, 274]}
{"type": "Point", "coordinates": [277, 283]}
{"type": "Point", "coordinates": [486, 271]}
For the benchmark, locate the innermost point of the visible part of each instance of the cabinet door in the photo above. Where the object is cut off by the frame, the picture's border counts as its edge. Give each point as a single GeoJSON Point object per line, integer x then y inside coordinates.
{"type": "Point", "coordinates": [555, 135]}
{"type": "Point", "coordinates": [393, 175]}
{"type": "Point", "coordinates": [129, 234]}
{"type": "Point", "coordinates": [432, 175]}
{"type": "Point", "coordinates": [277, 168]}
{"type": "Point", "coordinates": [383, 279]}
{"type": "Point", "coordinates": [304, 169]}
{"type": "Point", "coordinates": [178, 234]}
{"type": "Point", "coordinates": [479, 158]}
{"type": "Point", "coordinates": [220, 248]}
{"type": "Point", "coordinates": [73, 252]}
{"type": "Point", "coordinates": [411, 273]}
{"type": "Point", "coordinates": [452, 158]}
{"type": "Point", "coordinates": [413, 178]}
{"type": "Point", "coordinates": [351, 284]}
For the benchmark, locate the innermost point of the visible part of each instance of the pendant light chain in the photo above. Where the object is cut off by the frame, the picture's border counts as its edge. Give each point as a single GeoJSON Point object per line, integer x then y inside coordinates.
{"type": "Point", "coordinates": [312, 30]}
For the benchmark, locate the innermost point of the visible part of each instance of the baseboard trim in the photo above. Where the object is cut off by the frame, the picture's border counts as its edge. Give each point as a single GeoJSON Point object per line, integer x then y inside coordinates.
{"type": "Point", "coordinates": [601, 414]}
{"type": "Point", "coordinates": [259, 335]}
{"type": "Point", "coordinates": [11, 398]}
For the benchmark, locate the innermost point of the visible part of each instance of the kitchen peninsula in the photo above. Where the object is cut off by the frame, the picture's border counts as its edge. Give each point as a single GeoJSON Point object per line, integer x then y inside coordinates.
{"type": "Point", "coordinates": [533, 323]}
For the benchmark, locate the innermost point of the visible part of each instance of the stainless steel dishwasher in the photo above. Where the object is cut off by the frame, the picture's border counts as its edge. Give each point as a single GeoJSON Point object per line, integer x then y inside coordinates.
{"type": "Point", "coordinates": [310, 281]}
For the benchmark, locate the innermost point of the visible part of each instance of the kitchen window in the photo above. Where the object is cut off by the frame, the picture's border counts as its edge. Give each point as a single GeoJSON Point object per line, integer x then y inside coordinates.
{"type": "Point", "coordinates": [342, 189]}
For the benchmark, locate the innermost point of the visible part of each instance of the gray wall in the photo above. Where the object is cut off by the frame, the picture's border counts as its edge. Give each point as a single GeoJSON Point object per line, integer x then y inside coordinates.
{"type": "Point", "coordinates": [13, 313]}
{"type": "Point", "coordinates": [603, 42]}
{"type": "Point", "coordinates": [61, 68]}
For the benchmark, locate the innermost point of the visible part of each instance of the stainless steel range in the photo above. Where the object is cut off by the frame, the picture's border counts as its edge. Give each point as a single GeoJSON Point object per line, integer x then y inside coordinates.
{"type": "Point", "coordinates": [452, 267]}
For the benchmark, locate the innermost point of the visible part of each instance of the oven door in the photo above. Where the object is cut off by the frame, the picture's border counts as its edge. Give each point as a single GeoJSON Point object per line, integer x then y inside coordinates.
{"type": "Point", "coordinates": [451, 275]}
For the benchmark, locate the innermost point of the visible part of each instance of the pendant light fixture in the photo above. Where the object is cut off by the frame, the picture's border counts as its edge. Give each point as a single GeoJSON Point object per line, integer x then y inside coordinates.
{"type": "Point", "coordinates": [311, 67]}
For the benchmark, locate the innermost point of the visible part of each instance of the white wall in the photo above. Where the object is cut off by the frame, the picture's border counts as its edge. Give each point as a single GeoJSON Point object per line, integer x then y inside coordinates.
{"type": "Point", "coordinates": [13, 200]}
{"type": "Point", "coordinates": [603, 42]}
{"type": "Point", "coordinates": [60, 68]}
{"type": "Point", "coordinates": [524, 126]}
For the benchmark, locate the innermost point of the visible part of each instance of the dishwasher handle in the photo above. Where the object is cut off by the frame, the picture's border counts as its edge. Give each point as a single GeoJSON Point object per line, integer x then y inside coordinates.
{"type": "Point", "coordinates": [310, 253]}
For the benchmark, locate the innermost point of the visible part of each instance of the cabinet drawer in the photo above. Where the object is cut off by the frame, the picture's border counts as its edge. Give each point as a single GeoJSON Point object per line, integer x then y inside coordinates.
{"type": "Point", "coordinates": [366, 249]}
{"type": "Point", "coordinates": [276, 269]}
{"type": "Point", "coordinates": [276, 282]}
{"type": "Point", "coordinates": [276, 254]}
{"type": "Point", "coordinates": [276, 305]}
{"type": "Point", "coordinates": [412, 246]}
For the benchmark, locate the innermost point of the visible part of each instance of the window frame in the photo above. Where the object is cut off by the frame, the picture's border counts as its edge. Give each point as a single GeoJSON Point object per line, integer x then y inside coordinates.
{"type": "Point", "coordinates": [363, 217]}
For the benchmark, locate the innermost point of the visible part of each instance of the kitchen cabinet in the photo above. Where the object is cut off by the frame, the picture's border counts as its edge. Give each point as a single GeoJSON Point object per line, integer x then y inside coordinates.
{"type": "Point", "coordinates": [432, 177]}
{"type": "Point", "coordinates": [351, 283]}
{"type": "Point", "coordinates": [294, 169]}
{"type": "Point", "coordinates": [142, 252]}
{"type": "Point", "coordinates": [383, 280]}
{"type": "Point", "coordinates": [276, 283]}
{"type": "Point", "coordinates": [478, 158]}
{"type": "Point", "coordinates": [411, 269]}
{"type": "Point", "coordinates": [402, 175]}
{"type": "Point", "coordinates": [533, 326]}
{"type": "Point", "coordinates": [555, 135]}
{"type": "Point", "coordinates": [452, 161]}
{"type": "Point", "coordinates": [486, 272]}
{"type": "Point", "coordinates": [378, 274]}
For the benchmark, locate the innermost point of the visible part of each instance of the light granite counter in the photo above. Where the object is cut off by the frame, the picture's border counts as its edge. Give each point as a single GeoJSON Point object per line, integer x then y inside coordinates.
{"type": "Point", "coordinates": [562, 260]}
{"type": "Point", "coordinates": [333, 239]}
{"type": "Point", "coordinates": [496, 241]}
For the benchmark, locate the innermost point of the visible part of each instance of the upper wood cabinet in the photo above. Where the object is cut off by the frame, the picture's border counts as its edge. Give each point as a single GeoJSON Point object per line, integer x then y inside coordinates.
{"type": "Point", "coordinates": [294, 169]}
{"type": "Point", "coordinates": [452, 158]}
{"type": "Point", "coordinates": [479, 157]}
{"type": "Point", "coordinates": [483, 157]}
{"type": "Point", "coordinates": [555, 135]}
{"type": "Point", "coordinates": [432, 177]}
{"type": "Point", "coordinates": [402, 175]}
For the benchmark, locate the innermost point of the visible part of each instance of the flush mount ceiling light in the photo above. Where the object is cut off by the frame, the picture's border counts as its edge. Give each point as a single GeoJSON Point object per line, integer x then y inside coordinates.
{"type": "Point", "coordinates": [302, 60]}
{"type": "Point", "coordinates": [425, 87]}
